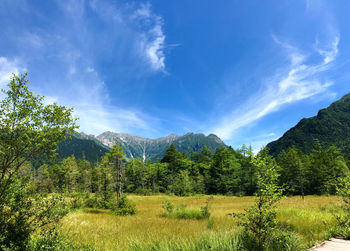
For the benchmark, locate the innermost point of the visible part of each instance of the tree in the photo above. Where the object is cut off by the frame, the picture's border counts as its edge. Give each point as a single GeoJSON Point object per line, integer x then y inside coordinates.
{"type": "Point", "coordinates": [259, 221]}
{"type": "Point", "coordinates": [293, 170]}
{"type": "Point", "coordinates": [224, 173]}
{"type": "Point", "coordinates": [28, 128]}
{"type": "Point", "coordinates": [176, 161]}
{"type": "Point", "coordinates": [343, 218]}
{"type": "Point", "coordinates": [114, 159]}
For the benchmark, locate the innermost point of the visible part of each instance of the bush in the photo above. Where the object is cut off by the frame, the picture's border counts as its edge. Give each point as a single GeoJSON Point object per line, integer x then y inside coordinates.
{"type": "Point", "coordinates": [182, 212]}
{"type": "Point", "coordinates": [21, 214]}
{"type": "Point", "coordinates": [342, 215]}
{"type": "Point", "coordinates": [205, 209]}
{"type": "Point", "coordinates": [55, 241]}
{"type": "Point", "coordinates": [141, 191]}
{"type": "Point", "coordinates": [168, 206]}
{"type": "Point", "coordinates": [124, 207]}
{"type": "Point", "coordinates": [260, 227]}
{"type": "Point", "coordinates": [76, 200]}
{"type": "Point", "coordinates": [93, 201]}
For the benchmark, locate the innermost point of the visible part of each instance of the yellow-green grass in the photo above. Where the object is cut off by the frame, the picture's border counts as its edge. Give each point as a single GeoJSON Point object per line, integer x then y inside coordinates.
{"type": "Point", "coordinates": [310, 219]}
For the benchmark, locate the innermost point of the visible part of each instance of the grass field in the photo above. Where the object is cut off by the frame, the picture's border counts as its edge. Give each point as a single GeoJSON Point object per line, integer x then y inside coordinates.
{"type": "Point", "coordinates": [310, 219]}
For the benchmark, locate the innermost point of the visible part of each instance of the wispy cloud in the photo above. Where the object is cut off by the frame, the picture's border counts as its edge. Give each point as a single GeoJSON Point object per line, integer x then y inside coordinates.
{"type": "Point", "coordinates": [65, 59]}
{"type": "Point", "coordinates": [7, 67]}
{"type": "Point", "coordinates": [152, 39]}
{"type": "Point", "coordinates": [298, 81]}
{"type": "Point", "coordinates": [142, 25]}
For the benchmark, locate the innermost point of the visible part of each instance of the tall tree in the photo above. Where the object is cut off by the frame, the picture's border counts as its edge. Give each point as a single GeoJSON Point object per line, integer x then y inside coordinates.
{"type": "Point", "coordinates": [28, 128]}
{"type": "Point", "coordinates": [292, 170]}
{"type": "Point", "coordinates": [114, 159]}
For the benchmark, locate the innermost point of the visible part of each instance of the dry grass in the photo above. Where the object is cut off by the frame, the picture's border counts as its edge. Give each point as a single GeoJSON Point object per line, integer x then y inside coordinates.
{"type": "Point", "coordinates": [309, 218]}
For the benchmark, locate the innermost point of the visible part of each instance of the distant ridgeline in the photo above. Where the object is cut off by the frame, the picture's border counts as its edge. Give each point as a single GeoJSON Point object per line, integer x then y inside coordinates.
{"type": "Point", "coordinates": [94, 147]}
{"type": "Point", "coordinates": [331, 126]}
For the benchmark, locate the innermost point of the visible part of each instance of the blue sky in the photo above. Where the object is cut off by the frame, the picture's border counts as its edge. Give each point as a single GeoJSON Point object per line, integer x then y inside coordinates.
{"type": "Point", "coordinates": [244, 70]}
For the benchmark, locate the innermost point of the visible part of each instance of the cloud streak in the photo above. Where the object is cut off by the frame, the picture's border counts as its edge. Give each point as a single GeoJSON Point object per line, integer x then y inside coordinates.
{"type": "Point", "coordinates": [297, 82]}
{"type": "Point", "coordinates": [142, 24]}
{"type": "Point", "coordinates": [65, 60]}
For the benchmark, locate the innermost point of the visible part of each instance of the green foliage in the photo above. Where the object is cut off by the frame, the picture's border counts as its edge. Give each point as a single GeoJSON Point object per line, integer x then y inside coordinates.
{"type": "Point", "coordinates": [113, 159]}
{"type": "Point", "coordinates": [28, 128]}
{"type": "Point", "coordinates": [21, 214]}
{"type": "Point", "coordinates": [343, 216]}
{"type": "Point", "coordinates": [205, 209]}
{"type": "Point", "coordinates": [168, 206]}
{"type": "Point", "coordinates": [331, 126]}
{"type": "Point", "coordinates": [124, 207]}
{"type": "Point", "coordinates": [93, 201]}
{"type": "Point", "coordinates": [183, 212]}
{"type": "Point", "coordinates": [53, 240]}
{"type": "Point", "coordinates": [261, 231]}
{"type": "Point", "coordinates": [81, 148]}
{"type": "Point", "coordinates": [183, 185]}
{"type": "Point", "coordinates": [225, 172]}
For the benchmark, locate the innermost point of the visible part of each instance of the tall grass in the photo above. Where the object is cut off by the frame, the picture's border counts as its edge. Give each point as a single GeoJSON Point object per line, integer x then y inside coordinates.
{"type": "Point", "coordinates": [183, 212]}
{"type": "Point", "coordinates": [208, 241]}
{"type": "Point", "coordinates": [310, 219]}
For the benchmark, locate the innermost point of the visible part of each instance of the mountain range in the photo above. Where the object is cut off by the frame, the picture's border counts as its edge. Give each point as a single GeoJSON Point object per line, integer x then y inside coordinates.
{"type": "Point", "coordinates": [94, 147]}
{"type": "Point", "coordinates": [331, 126]}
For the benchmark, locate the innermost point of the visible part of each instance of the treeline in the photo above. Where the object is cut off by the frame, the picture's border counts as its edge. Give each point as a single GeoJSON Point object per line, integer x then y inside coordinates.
{"type": "Point", "coordinates": [226, 171]}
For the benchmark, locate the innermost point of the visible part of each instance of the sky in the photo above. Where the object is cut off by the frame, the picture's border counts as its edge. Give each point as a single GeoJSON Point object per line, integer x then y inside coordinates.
{"type": "Point", "coordinates": [246, 71]}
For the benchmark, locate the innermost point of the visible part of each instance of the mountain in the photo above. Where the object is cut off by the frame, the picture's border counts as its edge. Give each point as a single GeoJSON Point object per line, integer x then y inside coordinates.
{"type": "Point", "coordinates": [331, 126]}
{"type": "Point", "coordinates": [145, 148]}
{"type": "Point", "coordinates": [82, 145]}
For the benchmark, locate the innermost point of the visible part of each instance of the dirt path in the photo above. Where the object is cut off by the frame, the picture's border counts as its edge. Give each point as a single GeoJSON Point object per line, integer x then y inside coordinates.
{"type": "Point", "coordinates": [333, 245]}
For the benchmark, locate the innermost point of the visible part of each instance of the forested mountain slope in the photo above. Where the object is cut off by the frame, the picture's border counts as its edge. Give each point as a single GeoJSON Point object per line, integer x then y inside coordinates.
{"type": "Point", "coordinates": [331, 126]}
{"type": "Point", "coordinates": [92, 150]}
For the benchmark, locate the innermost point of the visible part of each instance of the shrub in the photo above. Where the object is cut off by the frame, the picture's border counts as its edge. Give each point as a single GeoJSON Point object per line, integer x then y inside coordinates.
{"type": "Point", "coordinates": [92, 201]}
{"type": "Point", "coordinates": [260, 228]}
{"type": "Point", "coordinates": [205, 209]}
{"type": "Point", "coordinates": [141, 191]}
{"type": "Point", "coordinates": [182, 212]}
{"type": "Point", "coordinates": [342, 216]}
{"type": "Point", "coordinates": [76, 200]}
{"type": "Point", "coordinates": [124, 207]}
{"type": "Point", "coordinates": [22, 214]}
{"type": "Point", "coordinates": [168, 206]}
{"type": "Point", "coordinates": [55, 241]}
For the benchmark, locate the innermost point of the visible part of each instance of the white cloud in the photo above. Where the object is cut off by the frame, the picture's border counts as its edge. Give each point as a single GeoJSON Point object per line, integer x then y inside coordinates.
{"type": "Point", "coordinates": [154, 48]}
{"type": "Point", "coordinates": [7, 68]}
{"type": "Point", "coordinates": [299, 81]}
{"type": "Point", "coordinates": [97, 119]}
{"type": "Point", "coordinates": [143, 27]}
{"type": "Point", "coordinates": [153, 38]}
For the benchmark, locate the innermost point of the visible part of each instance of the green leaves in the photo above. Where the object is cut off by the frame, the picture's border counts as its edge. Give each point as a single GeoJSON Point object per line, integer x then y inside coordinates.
{"type": "Point", "coordinates": [28, 127]}
{"type": "Point", "coordinates": [259, 220]}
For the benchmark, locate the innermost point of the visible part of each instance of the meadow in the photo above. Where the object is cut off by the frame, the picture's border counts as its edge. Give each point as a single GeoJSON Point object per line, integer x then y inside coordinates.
{"type": "Point", "coordinates": [310, 219]}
